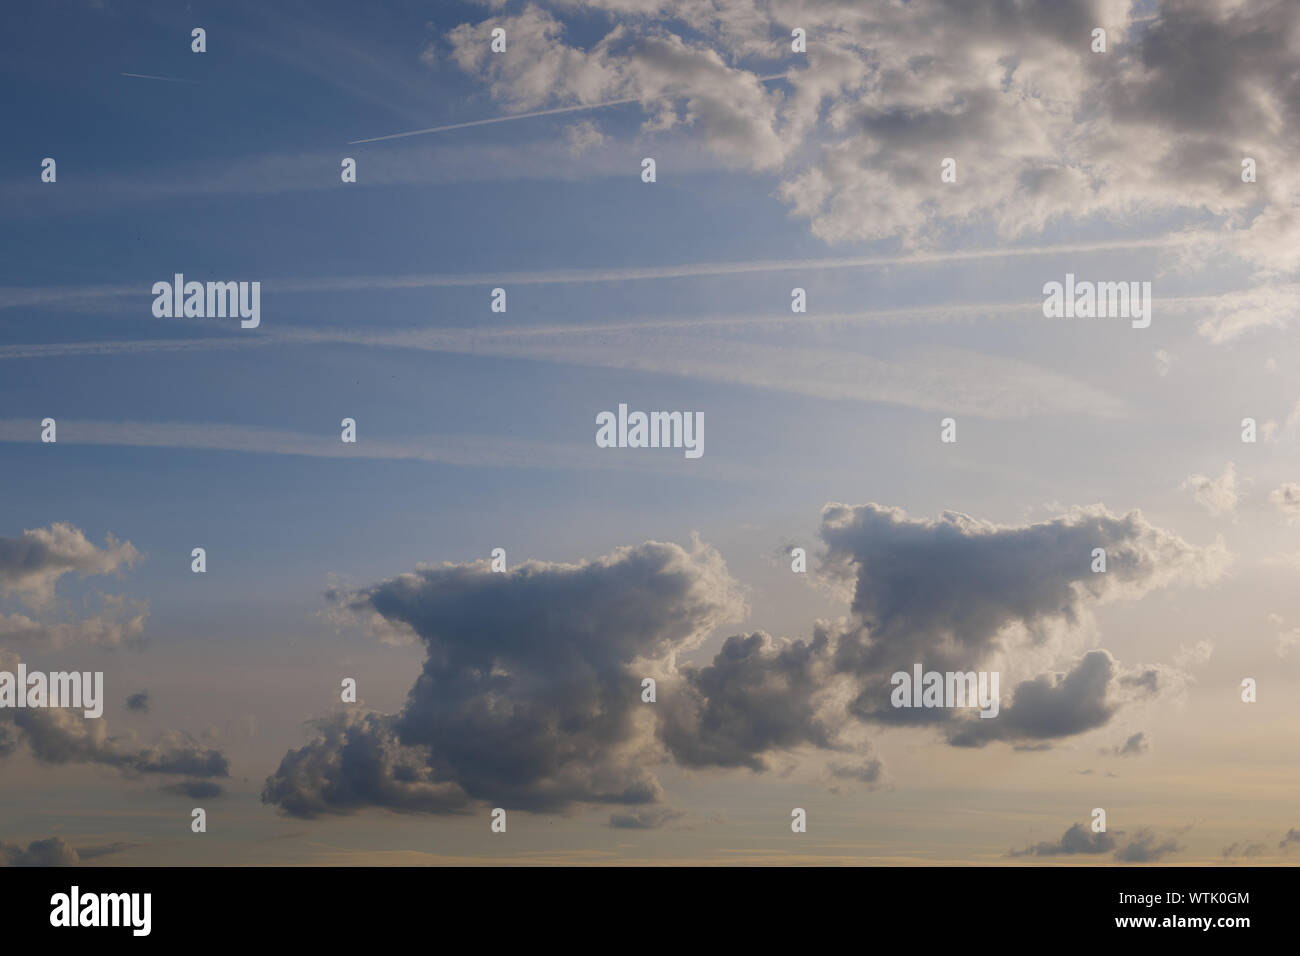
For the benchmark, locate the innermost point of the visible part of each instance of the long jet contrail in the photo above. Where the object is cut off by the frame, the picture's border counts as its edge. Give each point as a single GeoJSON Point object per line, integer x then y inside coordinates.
{"type": "Point", "coordinates": [19, 296]}
{"type": "Point", "coordinates": [519, 116]}
{"type": "Point", "coordinates": [471, 339]}
{"type": "Point", "coordinates": [169, 79]}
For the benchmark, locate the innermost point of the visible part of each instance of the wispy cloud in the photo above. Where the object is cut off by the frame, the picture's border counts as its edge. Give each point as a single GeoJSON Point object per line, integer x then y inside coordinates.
{"type": "Point", "coordinates": [168, 79]}
{"type": "Point", "coordinates": [17, 296]}
{"type": "Point", "coordinates": [463, 450]}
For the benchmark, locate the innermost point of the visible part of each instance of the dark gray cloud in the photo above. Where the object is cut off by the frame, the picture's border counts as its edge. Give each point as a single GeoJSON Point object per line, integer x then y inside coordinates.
{"type": "Point", "coordinates": [650, 818]}
{"type": "Point", "coordinates": [1134, 746]}
{"type": "Point", "coordinates": [53, 851]}
{"type": "Point", "coordinates": [1143, 847]}
{"type": "Point", "coordinates": [951, 594]}
{"type": "Point", "coordinates": [869, 771]}
{"type": "Point", "coordinates": [956, 593]}
{"type": "Point", "coordinates": [1146, 847]}
{"type": "Point", "coordinates": [1244, 849]}
{"type": "Point", "coordinates": [944, 592]}
{"type": "Point", "coordinates": [1292, 836]}
{"type": "Point", "coordinates": [1077, 839]}
{"type": "Point", "coordinates": [30, 566]}
{"type": "Point", "coordinates": [59, 736]}
{"type": "Point", "coordinates": [1049, 706]}
{"type": "Point", "coordinates": [195, 789]}
{"type": "Point", "coordinates": [530, 693]}
{"type": "Point", "coordinates": [357, 761]}
{"type": "Point", "coordinates": [758, 694]}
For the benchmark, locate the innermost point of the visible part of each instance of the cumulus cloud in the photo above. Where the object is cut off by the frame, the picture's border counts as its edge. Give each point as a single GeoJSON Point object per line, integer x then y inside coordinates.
{"type": "Point", "coordinates": [1194, 656]}
{"type": "Point", "coordinates": [1286, 498]}
{"type": "Point", "coordinates": [60, 736]}
{"type": "Point", "coordinates": [194, 789]}
{"type": "Point", "coordinates": [1143, 847]}
{"type": "Point", "coordinates": [582, 136]}
{"type": "Point", "coordinates": [30, 567]}
{"type": "Point", "coordinates": [1244, 849]}
{"type": "Point", "coordinates": [758, 694]}
{"type": "Point", "coordinates": [678, 82]}
{"type": "Point", "coordinates": [118, 621]}
{"type": "Point", "coordinates": [648, 819]}
{"type": "Point", "coordinates": [31, 564]}
{"type": "Point", "coordinates": [530, 693]}
{"type": "Point", "coordinates": [1268, 306]}
{"type": "Point", "coordinates": [1056, 705]}
{"type": "Point", "coordinates": [952, 595]}
{"type": "Point", "coordinates": [1146, 847]}
{"type": "Point", "coordinates": [1219, 495]}
{"type": "Point", "coordinates": [956, 593]}
{"type": "Point", "coordinates": [54, 851]}
{"type": "Point", "coordinates": [1077, 839]}
{"type": "Point", "coordinates": [1042, 128]}
{"type": "Point", "coordinates": [985, 577]}
{"type": "Point", "coordinates": [870, 771]}
{"type": "Point", "coordinates": [1134, 746]}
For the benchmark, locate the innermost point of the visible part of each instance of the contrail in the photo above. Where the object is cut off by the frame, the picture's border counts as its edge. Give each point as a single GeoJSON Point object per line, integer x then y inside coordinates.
{"type": "Point", "coordinates": [519, 116]}
{"type": "Point", "coordinates": [20, 296]}
{"type": "Point", "coordinates": [474, 451]}
{"type": "Point", "coordinates": [474, 339]}
{"type": "Point", "coordinates": [169, 79]}
{"type": "Point", "coordinates": [702, 269]}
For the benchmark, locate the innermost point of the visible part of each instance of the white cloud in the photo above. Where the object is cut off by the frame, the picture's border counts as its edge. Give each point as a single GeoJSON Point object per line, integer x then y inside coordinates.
{"type": "Point", "coordinates": [1218, 496]}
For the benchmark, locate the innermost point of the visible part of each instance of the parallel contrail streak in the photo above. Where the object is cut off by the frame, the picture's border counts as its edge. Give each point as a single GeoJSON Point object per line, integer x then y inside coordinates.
{"type": "Point", "coordinates": [519, 116]}
{"type": "Point", "coordinates": [169, 79]}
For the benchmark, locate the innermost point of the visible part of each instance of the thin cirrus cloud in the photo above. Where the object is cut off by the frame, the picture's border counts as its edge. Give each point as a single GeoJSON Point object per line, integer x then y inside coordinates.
{"type": "Point", "coordinates": [933, 379]}
{"type": "Point", "coordinates": [461, 450]}
{"type": "Point", "coordinates": [19, 297]}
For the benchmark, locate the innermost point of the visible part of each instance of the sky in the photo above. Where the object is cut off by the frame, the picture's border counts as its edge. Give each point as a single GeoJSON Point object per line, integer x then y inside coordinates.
{"type": "Point", "coordinates": [1162, 159]}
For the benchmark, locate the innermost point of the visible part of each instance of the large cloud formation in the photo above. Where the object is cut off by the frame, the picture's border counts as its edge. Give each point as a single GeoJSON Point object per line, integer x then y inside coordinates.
{"type": "Point", "coordinates": [959, 594]}
{"type": "Point", "coordinates": [31, 565]}
{"type": "Point", "coordinates": [1144, 846]}
{"type": "Point", "coordinates": [61, 736]}
{"type": "Point", "coordinates": [53, 851]}
{"type": "Point", "coordinates": [1042, 127]}
{"type": "Point", "coordinates": [530, 694]}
